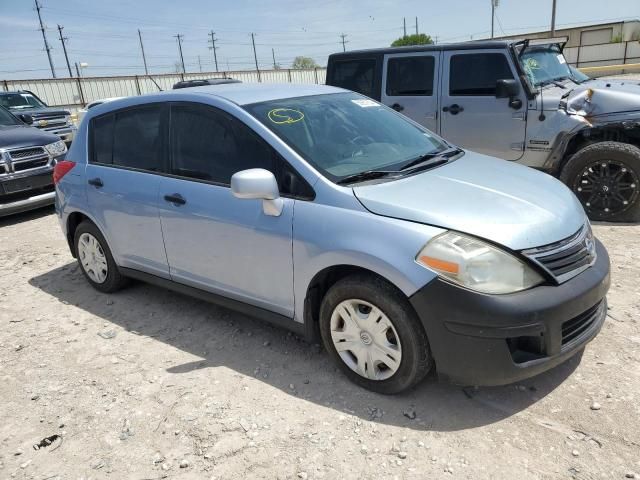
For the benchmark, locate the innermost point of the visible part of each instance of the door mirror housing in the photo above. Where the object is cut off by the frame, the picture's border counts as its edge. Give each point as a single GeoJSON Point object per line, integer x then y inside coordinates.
{"type": "Point", "coordinates": [26, 118]}
{"type": "Point", "coordinates": [260, 184]}
{"type": "Point", "coordinates": [507, 88]}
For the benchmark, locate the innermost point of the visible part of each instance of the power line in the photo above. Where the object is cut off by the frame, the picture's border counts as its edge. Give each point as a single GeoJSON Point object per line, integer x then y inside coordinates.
{"type": "Point", "coordinates": [144, 59]}
{"type": "Point", "coordinates": [64, 48]}
{"type": "Point", "coordinates": [44, 37]}
{"type": "Point", "coordinates": [213, 47]}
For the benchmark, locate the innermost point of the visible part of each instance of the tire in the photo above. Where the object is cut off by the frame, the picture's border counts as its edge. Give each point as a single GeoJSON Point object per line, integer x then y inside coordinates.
{"type": "Point", "coordinates": [604, 176]}
{"type": "Point", "coordinates": [394, 355]}
{"type": "Point", "coordinates": [110, 279]}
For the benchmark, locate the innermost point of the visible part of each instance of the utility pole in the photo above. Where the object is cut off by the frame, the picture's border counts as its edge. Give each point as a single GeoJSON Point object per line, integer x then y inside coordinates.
{"type": "Point", "coordinates": [199, 64]}
{"type": "Point", "coordinates": [553, 19]}
{"type": "Point", "coordinates": [343, 36]}
{"type": "Point", "coordinates": [273, 54]}
{"type": "Point", "coordinates": [213, 47]}
{"type": "Point", "coordinates": [144, 58]}
{"type": "Point", "coordinates": [44, 37]}
{"type": "Point", "coordinates": [416, 25]}
{"type": "Point", "coordinates": [404, 25]}
{"type": "Point", "coordinates": [494, 5]}
{"type": "Point", "coordinates": [78, 70]}
{"type": "Point", "coordinates": [255, 56]}
{"type": "Point", "coordinates": [179, 37]}
{"type": "Point", "coordinates": [64, 47]}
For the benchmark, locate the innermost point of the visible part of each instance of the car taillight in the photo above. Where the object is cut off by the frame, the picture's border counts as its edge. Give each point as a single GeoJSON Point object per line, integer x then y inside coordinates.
{"type": "Point", "coordinates": [61, 169]}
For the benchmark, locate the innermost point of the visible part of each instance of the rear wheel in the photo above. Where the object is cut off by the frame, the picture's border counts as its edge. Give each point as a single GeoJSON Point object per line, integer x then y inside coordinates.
{"type": "Point", "coordinates": [605, 177]}
{"type": "Point", "coordinates": [95, 259]}
{"type": "Point", "coordinates": [371, 331]}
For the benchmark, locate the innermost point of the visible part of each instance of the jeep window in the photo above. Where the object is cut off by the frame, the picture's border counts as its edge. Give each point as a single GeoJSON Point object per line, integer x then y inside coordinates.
{"type": "Point", "coordinates": [18, 101]}
{"type": "Point", "coordinates": [208, 144]}
{"type": "Point", "coordinates": [343, 134]}
{"type": "Point", "coordinates": [7, 118]}
{"type": "Point", "coordinates": [544, 65]}
{"type": "Point", "coordinates": [357, 75]}
{"type": "Point", "coordinates": [410, 75]}
{"type": "Point", "coordinates": [475, 74]}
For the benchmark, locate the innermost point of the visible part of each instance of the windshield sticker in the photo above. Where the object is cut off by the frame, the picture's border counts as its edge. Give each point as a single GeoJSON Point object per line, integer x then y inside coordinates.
{"type": "Point", "coordinates": [284, 116]}
{"type": "Point", "coordinates": [364, 103]}
{"type": "Point", "coordinates": [561, 58]}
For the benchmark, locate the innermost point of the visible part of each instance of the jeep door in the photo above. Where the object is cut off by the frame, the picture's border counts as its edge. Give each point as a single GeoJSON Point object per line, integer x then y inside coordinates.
{"type": "Point", "coordinates": [215, 241]}
{"type": "Point", "coordinates": [471, 115]}
{"type": "Point", "coordinates": [409, 86]}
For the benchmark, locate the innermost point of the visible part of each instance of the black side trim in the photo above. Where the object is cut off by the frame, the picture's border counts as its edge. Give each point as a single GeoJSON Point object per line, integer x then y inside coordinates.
{"type": "Point", "coordinates": [250, 310]}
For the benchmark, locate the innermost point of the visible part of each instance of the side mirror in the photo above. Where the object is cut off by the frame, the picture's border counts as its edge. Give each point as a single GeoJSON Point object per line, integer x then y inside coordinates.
{"type": "Point", "coordinates": [26, 118]}
{"type": "Point", "coordinates": [507, 88]}
{"type": "Point", "coordinates": [261, 184]}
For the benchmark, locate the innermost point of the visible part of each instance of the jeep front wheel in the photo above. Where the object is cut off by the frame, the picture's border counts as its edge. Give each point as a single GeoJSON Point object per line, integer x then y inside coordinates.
{"type": "Point", "coordinates": [605, 177]}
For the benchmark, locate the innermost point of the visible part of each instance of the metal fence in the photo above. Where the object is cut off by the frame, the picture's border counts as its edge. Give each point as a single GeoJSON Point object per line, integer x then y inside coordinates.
{"type": "Point", "coordinates": [76, 92]}
{"type": "Point", "coordinates": [603, 54]}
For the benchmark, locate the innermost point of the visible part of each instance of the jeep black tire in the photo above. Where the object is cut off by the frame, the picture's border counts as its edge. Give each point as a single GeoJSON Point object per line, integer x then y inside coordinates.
{"type": "Point", "coordinates": [605, 176]}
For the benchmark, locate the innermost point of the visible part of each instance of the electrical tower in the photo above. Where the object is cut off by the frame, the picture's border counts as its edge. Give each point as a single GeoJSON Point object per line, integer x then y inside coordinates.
{"type": "Point", "coordinates": [64, 48]}
{"type": "Point", "coordinates": [179, 37]}
{"type": "Point", "coordinates": [44, 37]}
{"type": "Point", "coordinates": [213, 47]}
{"type": "Point", "coordinates": [344, 42]}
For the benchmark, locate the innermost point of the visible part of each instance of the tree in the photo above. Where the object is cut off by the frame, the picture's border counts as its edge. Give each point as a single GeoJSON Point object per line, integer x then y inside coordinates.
{"type": "Point", "coordinates": [419, 39]}
{"type": "Point", "coordinates": [304, 62]}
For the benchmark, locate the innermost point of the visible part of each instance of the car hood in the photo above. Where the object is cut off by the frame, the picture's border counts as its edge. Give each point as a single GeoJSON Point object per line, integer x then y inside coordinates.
{"type": "Point", "coordinates": [595, 98]}
{"type": "Point", "coordinates": [16, 136]}
{"type": "Point", "coordinates": [37, 113]}
{"type": "Point", "coordinates": [509, 204]}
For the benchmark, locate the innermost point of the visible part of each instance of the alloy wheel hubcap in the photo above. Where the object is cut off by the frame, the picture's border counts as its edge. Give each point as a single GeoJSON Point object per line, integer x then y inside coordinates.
{"type": "Point", "coordinates": [365, 339]}
{"type": "Point", "coordinates": [92, 258]}
{"type": "Point", "coordinates": [607, 187]}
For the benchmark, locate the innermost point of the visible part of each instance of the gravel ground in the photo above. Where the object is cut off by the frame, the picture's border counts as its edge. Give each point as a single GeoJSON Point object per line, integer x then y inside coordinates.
{"type": "Point", "coordinates": [148, 384]}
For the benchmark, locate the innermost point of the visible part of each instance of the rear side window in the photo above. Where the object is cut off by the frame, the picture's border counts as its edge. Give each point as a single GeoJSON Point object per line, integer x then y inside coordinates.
{"type": "Point", "coordinates": [102, 128]}
{"type": "Point", "coordinates": [208, 144]}
{"type": "Point", "coordinates": [476, 73]}
{"type": "Point", "coordinates": [137, 138]}
{"type": "Point", "coordinates": [410, 76]}
{"type": "Point", "coordinates": [357, 75]}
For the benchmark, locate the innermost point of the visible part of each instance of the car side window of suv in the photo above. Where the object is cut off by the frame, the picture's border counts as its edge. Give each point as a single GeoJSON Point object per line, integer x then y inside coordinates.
{"type": "Point", "coordinates": [210, 145]}
{"type": "Point", "coordinates": [475, 74]}
{"type": "Point", "coordinates": [131, 138]}
{"type": "Point", "coordinates": [357, 75]}
{"type": "Point", "coordinates": [410, 76]}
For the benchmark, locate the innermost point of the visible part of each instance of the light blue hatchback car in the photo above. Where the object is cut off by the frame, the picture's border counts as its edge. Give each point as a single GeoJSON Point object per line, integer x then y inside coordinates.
{"type": "Point", "coordinates": [334, 216]}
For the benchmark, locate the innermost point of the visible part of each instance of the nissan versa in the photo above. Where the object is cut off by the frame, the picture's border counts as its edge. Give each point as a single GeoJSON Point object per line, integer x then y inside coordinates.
{"type": "Point", "coordinates": [325, 212]}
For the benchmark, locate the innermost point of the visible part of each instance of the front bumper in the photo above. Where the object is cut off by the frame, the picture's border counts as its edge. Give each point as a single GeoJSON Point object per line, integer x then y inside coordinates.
{"type": "Point", "coordinates": [480, 339]}
{"type": "Point", "coordinates": [26, 191]}
{"type": "Point", "coordinates": [29, 203]}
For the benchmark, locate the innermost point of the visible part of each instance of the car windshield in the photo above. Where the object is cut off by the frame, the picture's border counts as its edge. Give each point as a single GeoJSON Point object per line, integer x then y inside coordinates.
{"type": "Point", "coordinates": [544, 65]}
{"type": "Point", "coordinates": [578, 76]}
{"type": "Point", "coordinates": [19, 101]}
{"type": "Point", "coordinates": [345, 134]}
{"type": "Point", "coordinates": [7, 118]}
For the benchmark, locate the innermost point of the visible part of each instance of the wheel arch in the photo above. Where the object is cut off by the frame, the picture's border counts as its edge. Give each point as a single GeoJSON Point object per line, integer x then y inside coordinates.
{"type": "Point", "coordinates": [74, 219]}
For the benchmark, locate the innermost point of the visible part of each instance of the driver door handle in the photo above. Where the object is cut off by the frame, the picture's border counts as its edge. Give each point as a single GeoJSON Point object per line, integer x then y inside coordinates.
{"type": "Point", "coordinates": [397, 107]}
{"type": "Point", "coordinates": [175, 198]}
{"type": "Point", "coordinates": [96, 182]}
{"type": "Point", "coordinates": [453, 109]}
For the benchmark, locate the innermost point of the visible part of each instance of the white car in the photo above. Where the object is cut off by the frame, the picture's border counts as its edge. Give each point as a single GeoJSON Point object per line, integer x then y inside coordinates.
{"type": "Point", "coordinates": [81, 113]}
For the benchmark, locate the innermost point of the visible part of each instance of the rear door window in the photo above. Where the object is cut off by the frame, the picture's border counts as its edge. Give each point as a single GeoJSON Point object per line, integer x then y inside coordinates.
{"type": "Point", "coordinates": [357, 75]}
{"type": "Point", "coordinates": [102, 139]}
{"type": "Point", "coordinates": [475, 74]}
{"type": "Point", "coordinates": [410, 76]}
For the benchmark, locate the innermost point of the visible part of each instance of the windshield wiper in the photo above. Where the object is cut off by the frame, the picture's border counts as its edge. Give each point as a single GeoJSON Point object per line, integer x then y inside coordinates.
{"type": "Point", "coordinates": [428, 157]}
{"type": "Point", "coordinates": [366, 175]}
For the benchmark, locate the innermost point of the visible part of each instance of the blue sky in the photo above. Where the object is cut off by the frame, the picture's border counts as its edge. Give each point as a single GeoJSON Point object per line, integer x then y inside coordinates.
{"type": "Point", "coordinates": [104, 33]}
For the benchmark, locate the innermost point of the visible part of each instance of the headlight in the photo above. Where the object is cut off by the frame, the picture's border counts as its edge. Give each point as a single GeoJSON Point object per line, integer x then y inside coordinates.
{"type": "Point", "coordinates": [73, 118]}
{"type": "Point", "coordinates": [476, 265]}
{"type": "Point", "coordinates": [56, 149]}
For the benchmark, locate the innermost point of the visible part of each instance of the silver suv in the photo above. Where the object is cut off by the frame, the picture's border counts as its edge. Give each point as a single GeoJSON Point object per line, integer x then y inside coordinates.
{"type": "Point", "coordinates": [327, 213]}
{"type": "Point", "coordinates": [519, 101]}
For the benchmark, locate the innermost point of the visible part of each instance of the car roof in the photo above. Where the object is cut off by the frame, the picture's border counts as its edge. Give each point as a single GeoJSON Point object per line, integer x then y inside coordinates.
{"type": "Point", "coordinates": [247, 93]}
{"type": "Point", "coordinates": [475, 45]}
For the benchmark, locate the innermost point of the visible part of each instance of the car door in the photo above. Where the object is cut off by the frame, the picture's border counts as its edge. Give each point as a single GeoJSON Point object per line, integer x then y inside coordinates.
{"type": "Point", "coordinates": [213, 240]}
{"type": "Point", "coordinates": [471, 115]}
{"type": "Point", "coordinates": [408, 86]}
{"type": "Point", "coordinates": [127, 154]}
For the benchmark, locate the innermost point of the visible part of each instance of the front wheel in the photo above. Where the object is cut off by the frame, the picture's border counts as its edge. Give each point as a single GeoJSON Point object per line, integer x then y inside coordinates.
{"type": "Point", "coordinates": [371, 331]}
{"type": "Point", "coordinates": [605, 177]}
